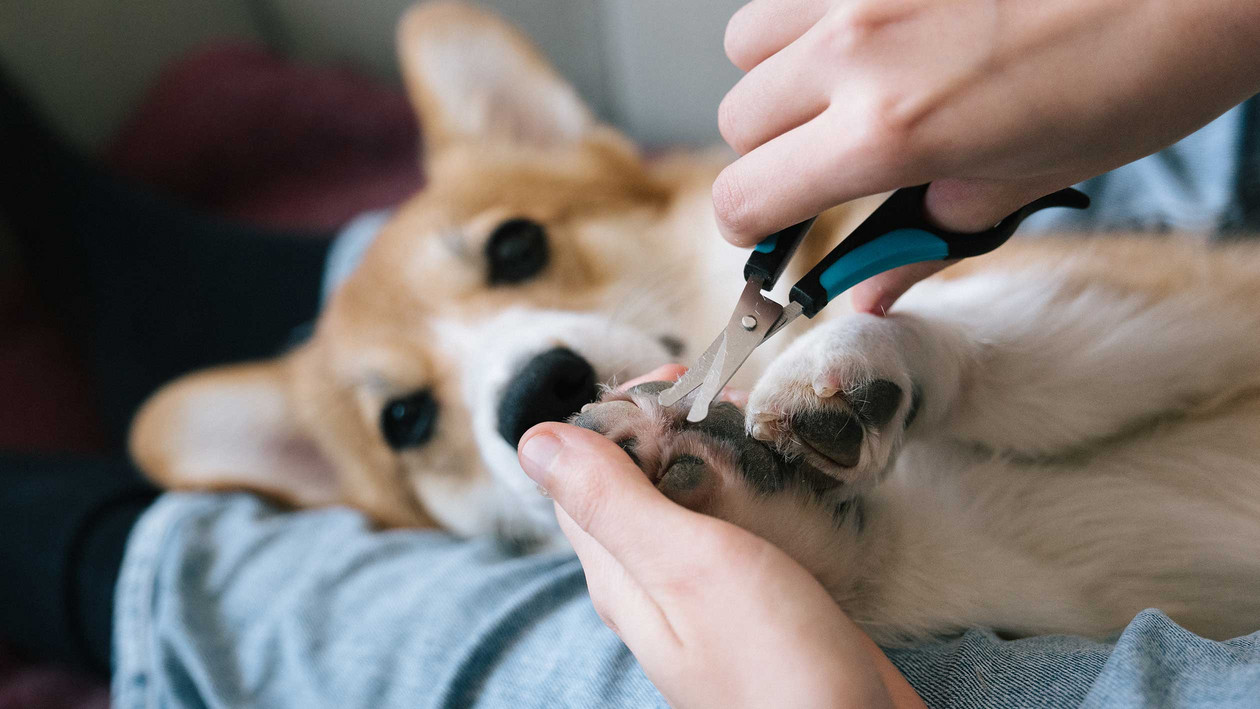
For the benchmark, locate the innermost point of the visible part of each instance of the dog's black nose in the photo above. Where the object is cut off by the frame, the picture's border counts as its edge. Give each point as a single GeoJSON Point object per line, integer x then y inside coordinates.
{"type": "Point", "coordinates": [550, 387]}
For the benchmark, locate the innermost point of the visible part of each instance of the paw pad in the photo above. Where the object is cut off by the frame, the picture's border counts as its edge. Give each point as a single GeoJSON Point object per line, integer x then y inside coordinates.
{"type": "Point", "coordinates": [690, 462]}
{"type": "Point", "coordinates": [846, 431]}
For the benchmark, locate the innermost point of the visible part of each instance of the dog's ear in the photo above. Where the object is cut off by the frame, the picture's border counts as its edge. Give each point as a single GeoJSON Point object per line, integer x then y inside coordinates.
{"type": "Point", "coordinates": [231, 428]}
{"type": "Point", "coordinates": [472, 76]}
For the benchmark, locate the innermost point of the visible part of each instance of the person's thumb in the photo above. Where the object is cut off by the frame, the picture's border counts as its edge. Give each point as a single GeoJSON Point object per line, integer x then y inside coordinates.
{"type": "Point", "coordinates": [604, 493]}
{"type": "Point", "coordinates": [976, 205]}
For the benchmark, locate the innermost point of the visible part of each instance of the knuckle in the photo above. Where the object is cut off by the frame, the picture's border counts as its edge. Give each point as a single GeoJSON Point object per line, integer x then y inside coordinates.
{"type": "Point", "coordinates": [891, 131]}
{"type": "Point", "coordinates": [708, 562]}
{"type": "Point", "coordinates": [731, 202]}
{"type": "Point", "coordinates": [720, 547]}
{"type": "Point", "coordinates": [728, 122]}
{"type": "Point", "coordinates": [681, 585]}
{"type": "Point", "coordinates": [845, 31]}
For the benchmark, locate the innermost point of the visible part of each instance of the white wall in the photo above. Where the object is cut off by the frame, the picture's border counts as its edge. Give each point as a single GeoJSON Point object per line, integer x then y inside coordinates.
{"type": "Point", "coordinates": [666, 60]}
{"type": "Point", "coordinates": [654, 67]}
{"type": "Point", "coordinates": [87, 62]}
{"type": "Point", "coordinates": [569, 30]}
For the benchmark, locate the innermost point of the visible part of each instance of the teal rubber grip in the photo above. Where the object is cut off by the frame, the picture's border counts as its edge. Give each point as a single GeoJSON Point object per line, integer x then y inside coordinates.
{"type": "Point", "coordinates": [900, 233]}
{"type": "Point", "coordinates": [896, 248]}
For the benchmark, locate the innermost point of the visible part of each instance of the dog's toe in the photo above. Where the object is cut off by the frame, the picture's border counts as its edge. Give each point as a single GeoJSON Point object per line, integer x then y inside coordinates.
{"type": "Point", "coordinates": [605, 417]}
{"type": "Point", "coordinates": [685, 474]}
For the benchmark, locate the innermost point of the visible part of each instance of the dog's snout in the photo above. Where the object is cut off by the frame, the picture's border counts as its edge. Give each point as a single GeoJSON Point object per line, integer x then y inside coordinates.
{"type": "Point", "coordinates": [552, 386]}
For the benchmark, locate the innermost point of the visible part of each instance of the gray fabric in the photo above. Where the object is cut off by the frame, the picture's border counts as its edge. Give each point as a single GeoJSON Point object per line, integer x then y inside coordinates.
{"type": "Point", "coordinates": [1153, 663]}
{"type": "Point", "coordinates": [226, 602]}
{"type": "Point", "coordinates": [1193, 186]}
{"type": "Point", "coordinates": [347, 251]}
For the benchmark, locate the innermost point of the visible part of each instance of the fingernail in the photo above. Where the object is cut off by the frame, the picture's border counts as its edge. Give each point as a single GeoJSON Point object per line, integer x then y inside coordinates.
{"type": "Point", "coordinates": [536, 456]}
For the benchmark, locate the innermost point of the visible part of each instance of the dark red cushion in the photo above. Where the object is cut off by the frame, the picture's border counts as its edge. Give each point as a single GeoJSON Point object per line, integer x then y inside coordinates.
{"type": "Point", "coordinates": [48, 403]}
{"type": "Point", "coordinates": [250, 135]}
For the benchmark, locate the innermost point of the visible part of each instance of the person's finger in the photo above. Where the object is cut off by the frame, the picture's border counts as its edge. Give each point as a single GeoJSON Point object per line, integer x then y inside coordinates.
{"type": "Point", "coordinates": [672, 372]}
{"type": "Point", "coordinates": [779, 94]}
{"type": "Point", "coordinates": [738, 397]}
{"type": "Point", "coordinates": [793, 178]}
{"type": "Point", "coordinates": [621, 602]}
{"type": "Point", "coordinates": [977, 205]}
{"type": "Point", "coordinates": [609, 497]}
{"type": "Point", "coordinates": [763, 27]}
{"type": "Point", "coordinates": [877, 294]}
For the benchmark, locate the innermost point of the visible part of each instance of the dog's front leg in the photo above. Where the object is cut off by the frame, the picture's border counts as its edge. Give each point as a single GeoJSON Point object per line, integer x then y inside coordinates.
{"type": "Point", "coordinates": [1022, 364]}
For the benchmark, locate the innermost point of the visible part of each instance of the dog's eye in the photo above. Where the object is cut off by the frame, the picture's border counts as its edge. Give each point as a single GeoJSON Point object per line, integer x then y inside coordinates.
{"type": "Point", "coordinates": [408, 421]}
{"type": "Point", "coordinates": [516, 251]}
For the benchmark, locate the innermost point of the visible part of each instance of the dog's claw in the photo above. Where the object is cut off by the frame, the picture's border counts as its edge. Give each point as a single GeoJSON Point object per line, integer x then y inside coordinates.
{"type": "Point", "coordinates": [762, 431]}
{"type": "Point", "coordinates": [825, 391]}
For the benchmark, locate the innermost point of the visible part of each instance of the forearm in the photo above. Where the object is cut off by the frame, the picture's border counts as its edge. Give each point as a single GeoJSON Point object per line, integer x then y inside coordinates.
{"type": "Point", "coordinates": [1074, 88]}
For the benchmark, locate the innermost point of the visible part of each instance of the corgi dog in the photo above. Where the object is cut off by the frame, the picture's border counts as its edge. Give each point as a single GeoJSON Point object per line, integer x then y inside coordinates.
{"type": "Point", "coordinates": [1047, 439]}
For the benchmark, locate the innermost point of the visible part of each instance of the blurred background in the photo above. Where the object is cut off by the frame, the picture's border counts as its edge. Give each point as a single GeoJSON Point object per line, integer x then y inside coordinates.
{"type": "Point", "coordinates": [89, 62]}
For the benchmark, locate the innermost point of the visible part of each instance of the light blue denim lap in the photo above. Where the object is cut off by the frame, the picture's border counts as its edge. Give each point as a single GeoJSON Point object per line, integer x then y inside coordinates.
{"type": "Point", "coordinates": [1193, 186]}
{"type": "Point", "coordinates": [226, 602]}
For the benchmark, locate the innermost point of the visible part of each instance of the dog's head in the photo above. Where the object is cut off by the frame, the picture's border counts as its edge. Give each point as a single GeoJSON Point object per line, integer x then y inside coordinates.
{"type": "Point", "coordinates": [543, 258]}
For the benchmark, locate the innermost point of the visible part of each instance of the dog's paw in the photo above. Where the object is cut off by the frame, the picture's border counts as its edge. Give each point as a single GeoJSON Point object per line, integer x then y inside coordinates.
{"type": "Point", "coordinates": [712, 466]}
{"type": "Point", "coordinates": [840, 398]}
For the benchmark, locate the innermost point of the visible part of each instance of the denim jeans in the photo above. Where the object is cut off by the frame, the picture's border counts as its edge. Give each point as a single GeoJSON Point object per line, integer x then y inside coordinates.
{"type": "Point", "coordinates": [226, 602]}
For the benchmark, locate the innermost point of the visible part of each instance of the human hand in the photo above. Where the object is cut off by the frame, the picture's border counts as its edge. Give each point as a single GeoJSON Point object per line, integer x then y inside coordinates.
{"type": "Point", "coordinates": [995, 103]}
{"type": "Point", "coordinates": [715, 615]}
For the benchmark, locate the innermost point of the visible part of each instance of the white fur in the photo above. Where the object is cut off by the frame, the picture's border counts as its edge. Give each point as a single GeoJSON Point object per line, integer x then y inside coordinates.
{"type": "Point", "coordinates": [1078, 456]}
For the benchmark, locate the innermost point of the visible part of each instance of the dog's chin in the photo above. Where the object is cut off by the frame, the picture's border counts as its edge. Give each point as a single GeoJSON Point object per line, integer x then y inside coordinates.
{"type": "Point", "coordinates": [515, 539]}
{"type": "Point", "coordinates": [527, 524]}
{"type": "Point", "coordinates": [525, 520]}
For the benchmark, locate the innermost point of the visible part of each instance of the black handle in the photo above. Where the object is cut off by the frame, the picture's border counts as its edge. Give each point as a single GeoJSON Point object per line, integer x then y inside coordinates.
{"type": "Point", "coordinates": [770, 257]}
{"type": "Point", "coordinates": [963, 245]}
{"type": "Point", "coordinates": [900, 233]}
